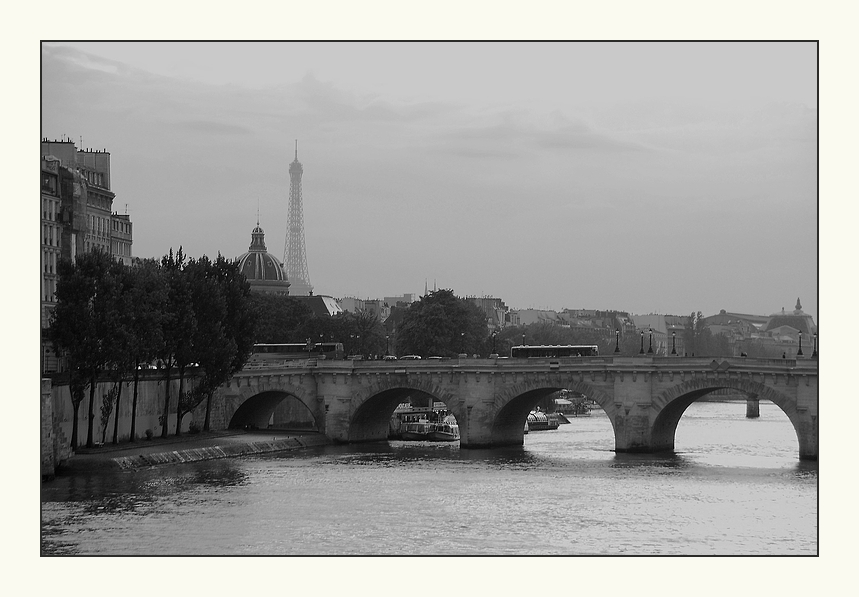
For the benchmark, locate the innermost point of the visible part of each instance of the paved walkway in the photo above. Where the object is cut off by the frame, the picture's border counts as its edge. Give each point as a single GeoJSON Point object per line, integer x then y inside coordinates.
{"type": "Point", "coordinates": [188, 448]}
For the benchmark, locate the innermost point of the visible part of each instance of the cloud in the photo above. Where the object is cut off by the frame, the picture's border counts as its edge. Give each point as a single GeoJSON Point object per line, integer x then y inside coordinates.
{"type": "Point", "coordinates": [579, 137]}
{"type": "Point", "coordinates": [81, 60]}
{"type": "Point", "coordinates": [521, 133]}
{"type": "Point", "coordinates": [213, 128]}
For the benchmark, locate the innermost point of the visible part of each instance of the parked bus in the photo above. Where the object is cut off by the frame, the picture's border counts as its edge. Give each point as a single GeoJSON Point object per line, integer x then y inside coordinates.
{"type": "Point", "coordinates": [305, 350]}
{"type": "Point", "coordinates": [553, 352]}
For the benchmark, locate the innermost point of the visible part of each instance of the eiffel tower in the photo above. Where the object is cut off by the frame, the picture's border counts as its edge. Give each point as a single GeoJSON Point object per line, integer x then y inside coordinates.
{"type": "Point", "coordinates": [294, 255]}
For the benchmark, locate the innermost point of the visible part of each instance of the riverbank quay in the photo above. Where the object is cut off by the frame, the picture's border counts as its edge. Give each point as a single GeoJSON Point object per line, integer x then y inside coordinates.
{"type": "Point", "coordinates": [187, 448]}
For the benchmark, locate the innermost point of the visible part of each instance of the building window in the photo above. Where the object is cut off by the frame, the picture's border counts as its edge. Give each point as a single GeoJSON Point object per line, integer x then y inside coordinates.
{"type": "Point", "coordinates": [49, 184]}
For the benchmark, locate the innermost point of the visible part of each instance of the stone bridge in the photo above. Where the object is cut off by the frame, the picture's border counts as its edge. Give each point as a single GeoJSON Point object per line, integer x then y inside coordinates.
{"type": "Point", "coordinates": [644, 397]}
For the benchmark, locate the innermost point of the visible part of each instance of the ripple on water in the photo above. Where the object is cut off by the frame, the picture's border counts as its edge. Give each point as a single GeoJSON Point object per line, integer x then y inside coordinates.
{"type": "Point", "coordinates": [733, 487]}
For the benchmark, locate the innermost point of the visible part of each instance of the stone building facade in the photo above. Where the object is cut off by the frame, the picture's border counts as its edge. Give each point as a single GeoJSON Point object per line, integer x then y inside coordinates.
{"type": "Point", "coordinates": [76, 217]}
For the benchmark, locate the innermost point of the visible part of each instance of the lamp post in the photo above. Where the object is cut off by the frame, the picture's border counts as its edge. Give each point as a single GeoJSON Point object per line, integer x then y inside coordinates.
{"type": "Point", "coordinates": [814, 354]}
{"type": "Point", "coordinates": [461, 342]}
{"type": "Point", "coordinates": [650, 349]}
{"type": "Point", "coordinates": [673, 342]}
{"type": "Point", "coordinates": [642, 343]}
{"type": "Point", "coordinates": [495, 333]}
{"type": "Point", "coordinates": [387, 345]}
{"type": "Point", "coordinates": [617, 340]}
{"type": "Point", "coordinates": [799, 352]}
{"type": "Point", "coordinates": [523, 339]}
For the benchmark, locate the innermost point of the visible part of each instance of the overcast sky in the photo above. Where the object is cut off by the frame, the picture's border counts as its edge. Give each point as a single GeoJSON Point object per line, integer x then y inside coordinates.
{"type": "Point", "coordinates": [647, 177]}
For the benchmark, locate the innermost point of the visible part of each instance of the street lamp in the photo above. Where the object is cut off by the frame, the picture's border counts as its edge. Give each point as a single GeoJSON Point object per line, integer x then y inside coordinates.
{"type": "Point", "coordinates": [387, 345]}
{"type": "Point", "coordinates": [650, 349]}
{"type": "Point", "coordinates": [814, 354]}
{"type": "Point", "coordinates": [642, 343]}
{"type": "Point", "coordinates": [617, 340]}
{"type": "Point", "coordinates": [523, 339]}
{"type": "Point", "coordinates": [673, 342]}
{"type": "Point", "coordinates": [461, 342]}
{"type": "Point", "coordinates": [495, 333]}
{"type": "Point", "coordinates": [799, 352]}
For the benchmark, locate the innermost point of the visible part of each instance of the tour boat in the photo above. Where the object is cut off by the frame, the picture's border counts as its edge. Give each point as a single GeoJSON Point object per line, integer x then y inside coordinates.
{"type": "Point", "coordinates": [446, 431]}
{"type": "Point", "coordinates": [407, 415]}
{"type": "Point", "coordinates": [541, 421]}
{"type": "Point", "coordinates": [417, 431]}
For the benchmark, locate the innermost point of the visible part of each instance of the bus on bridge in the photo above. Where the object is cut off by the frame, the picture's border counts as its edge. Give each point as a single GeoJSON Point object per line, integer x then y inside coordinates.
{"type": "Point", "coordinates": [552, 352]}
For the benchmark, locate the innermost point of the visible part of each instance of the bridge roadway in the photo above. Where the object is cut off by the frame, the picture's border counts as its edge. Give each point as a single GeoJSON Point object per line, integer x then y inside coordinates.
{"type": "Point", "coordinates": [644, 397]}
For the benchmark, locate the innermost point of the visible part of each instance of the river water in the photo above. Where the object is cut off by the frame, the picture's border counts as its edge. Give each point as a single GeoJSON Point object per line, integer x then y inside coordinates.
{"type": "Point", "coordinates": [735, 486]}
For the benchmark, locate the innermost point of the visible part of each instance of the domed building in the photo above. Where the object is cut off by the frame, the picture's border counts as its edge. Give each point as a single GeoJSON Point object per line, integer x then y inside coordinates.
{"type": "Point", "coordinates": [798, 320]}
{"type": "Point", "coordinates": [263, 270]}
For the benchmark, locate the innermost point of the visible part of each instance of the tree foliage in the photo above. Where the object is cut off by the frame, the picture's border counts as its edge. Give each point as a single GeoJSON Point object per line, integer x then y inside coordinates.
{"type": "Point", "coordinates": [701, 342]}
{"type": "Point", "coordinates": [279, 318]}
{"type": "Point", "coordinates": [148, 297]}
{"type": "Point", "coordinates": [552, 334]}
{"type": "Point", "coordinates": [442, 324]}
{"type": "Point", "coordinates": [283, 320]}
{"type": "Point", "coordinates": [82, 325]}
{"type": "Point", "coordinates": [112, 319]}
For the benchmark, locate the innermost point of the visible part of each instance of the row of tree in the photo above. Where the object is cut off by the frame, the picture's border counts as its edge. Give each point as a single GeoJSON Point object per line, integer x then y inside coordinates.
{"type": "Point", "coordinates": [445, 325]}
{"type": "Point", "coordinates": [113, 320]}
{"type": "Point", "coordinates": [283, 319]}
{"type": "Point", "coordinates": [195, 318]}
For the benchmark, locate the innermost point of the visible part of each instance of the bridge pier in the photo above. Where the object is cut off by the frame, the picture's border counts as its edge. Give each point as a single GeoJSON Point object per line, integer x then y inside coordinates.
{"type": "Point", "coordinates": [632, 434]}
{"type": "Point", "coordinates": [753, 408]}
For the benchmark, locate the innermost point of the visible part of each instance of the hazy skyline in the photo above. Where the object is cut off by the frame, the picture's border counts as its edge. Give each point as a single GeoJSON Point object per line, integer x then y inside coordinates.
{"type": "Point", "coordinates": [647, 177]}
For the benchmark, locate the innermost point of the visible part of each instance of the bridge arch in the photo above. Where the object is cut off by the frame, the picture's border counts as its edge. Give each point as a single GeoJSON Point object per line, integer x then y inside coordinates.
{"type": "Point", "coordinates": [374, 406]}
{"type": "Point", "coordinates": [515, 402]}
{"type": "Point", "coordinates": [672, 403]}
{"type": "Point", "coordinates": [254, 405]}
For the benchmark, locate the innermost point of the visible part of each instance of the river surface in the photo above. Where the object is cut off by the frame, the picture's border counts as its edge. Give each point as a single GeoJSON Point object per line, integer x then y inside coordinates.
{"type": "Point", "coordinates": [735, 486]}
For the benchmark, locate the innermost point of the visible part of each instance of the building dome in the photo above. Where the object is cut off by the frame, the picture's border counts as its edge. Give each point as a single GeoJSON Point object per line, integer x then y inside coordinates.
{"type": "Point", "coordinates": [798, 320]}
{"type": "Point", "coordinates": [263, 270]}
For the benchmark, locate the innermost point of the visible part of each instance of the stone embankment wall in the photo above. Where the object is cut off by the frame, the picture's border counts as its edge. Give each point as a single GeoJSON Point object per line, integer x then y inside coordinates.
{"type": "Point", "coordinates": [57, 414]}
{"type": "Point", "coordinates": [150, 405]}
{"type": "Point", "coordinates": [54, 446]}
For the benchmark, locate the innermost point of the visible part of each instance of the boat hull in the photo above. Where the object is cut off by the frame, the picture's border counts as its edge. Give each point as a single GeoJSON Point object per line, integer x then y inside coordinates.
{"type": "Point", "coordinates": [414, 436]}
{"type": "Point", "coordinates": [444, 436]}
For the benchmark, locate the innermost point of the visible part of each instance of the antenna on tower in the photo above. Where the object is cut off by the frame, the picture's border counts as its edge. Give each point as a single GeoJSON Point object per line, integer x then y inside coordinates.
{"type": "Point", "coordinates": [257, 212]}
{"type": "Point", "coordinates": [296, 150]}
